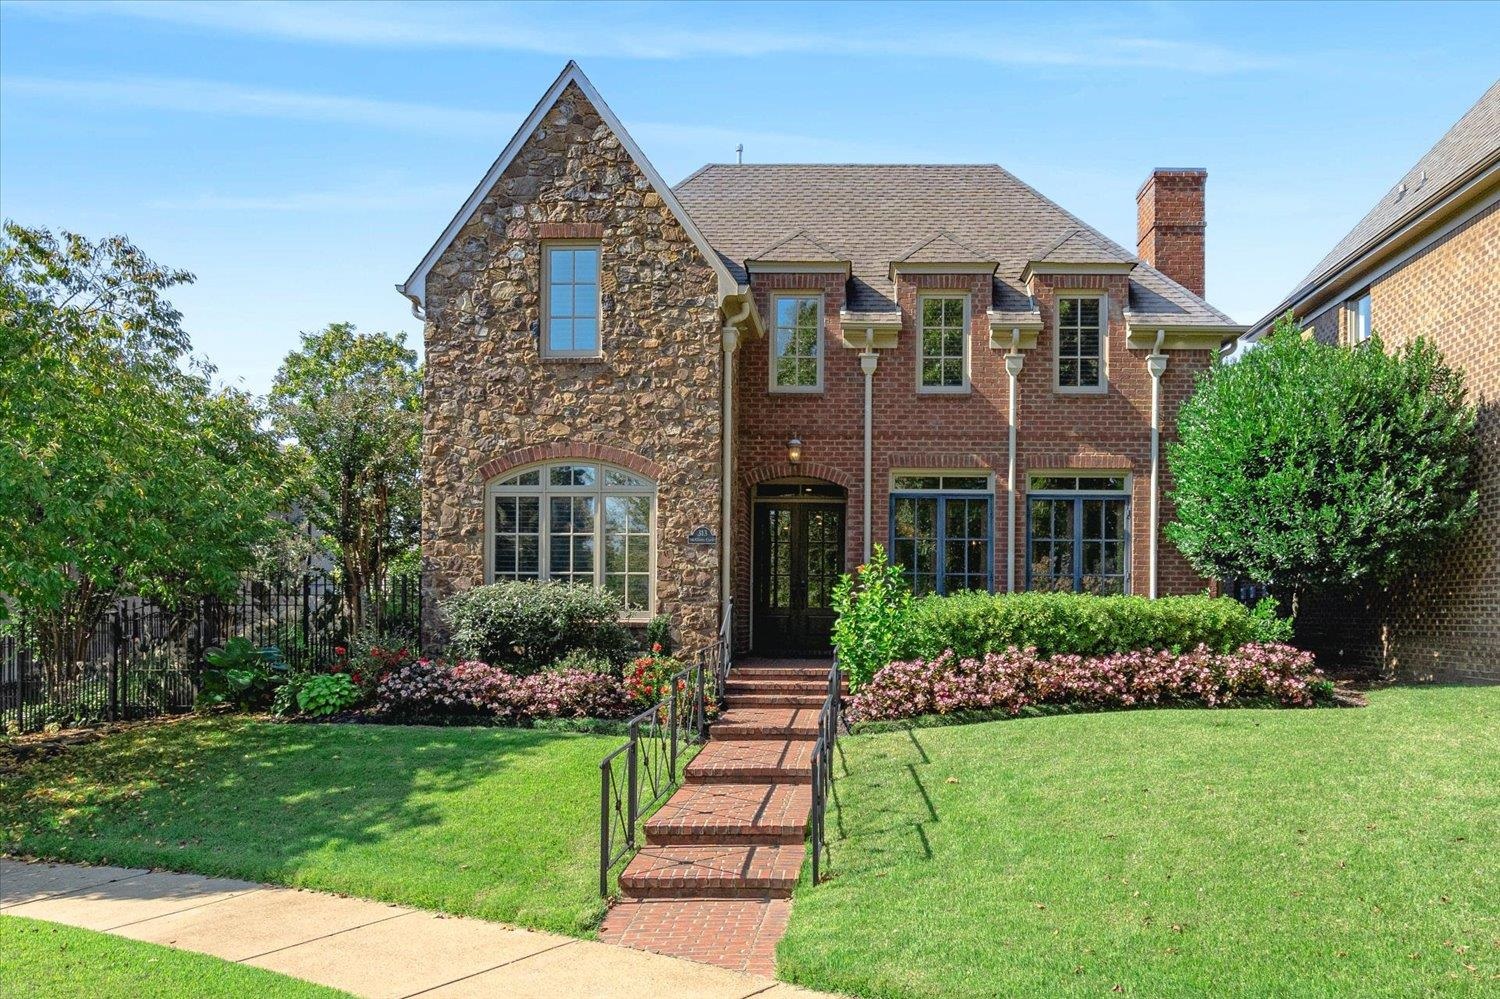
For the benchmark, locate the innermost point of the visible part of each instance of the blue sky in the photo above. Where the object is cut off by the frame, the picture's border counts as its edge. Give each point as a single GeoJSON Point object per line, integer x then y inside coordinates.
{"type": "Point", "coordinates": [300, 159]}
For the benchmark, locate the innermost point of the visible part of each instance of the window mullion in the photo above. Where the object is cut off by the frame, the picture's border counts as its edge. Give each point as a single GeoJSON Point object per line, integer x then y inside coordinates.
{"type": "Point", "coordinates": [1078, 544]}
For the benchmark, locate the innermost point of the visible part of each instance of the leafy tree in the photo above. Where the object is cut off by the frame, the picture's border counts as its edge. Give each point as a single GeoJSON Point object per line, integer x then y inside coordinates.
{"type": "Point", "coordinates": [351, 404]}
{"type": "Point", "coordinates": [122, 469]}
{"type": "Point", "coordinates": [1304, 466]}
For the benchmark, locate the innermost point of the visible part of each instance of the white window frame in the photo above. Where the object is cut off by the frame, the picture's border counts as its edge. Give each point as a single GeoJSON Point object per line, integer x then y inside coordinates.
{"type": "Point", "coordinates": [546, 297]}
{"type": "Point", "coordinates": [1057, 385]}
{"type": "Point", "coordinates": [776, 300]}
{"type": "Point", "coordinates": [599, 491]}
{"type": "Point", "coordinates": [965, 388]}
{"type": "Point", "coordinates": [1354, 336]}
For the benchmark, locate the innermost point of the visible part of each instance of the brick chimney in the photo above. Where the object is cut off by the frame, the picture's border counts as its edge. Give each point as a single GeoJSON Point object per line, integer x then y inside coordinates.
{"type": "Point", "coordinates": [1169, 224]}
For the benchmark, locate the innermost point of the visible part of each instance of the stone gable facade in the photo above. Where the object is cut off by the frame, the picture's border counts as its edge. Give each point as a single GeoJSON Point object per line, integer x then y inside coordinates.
{"type": "Point", "coordinates": [650, 402]}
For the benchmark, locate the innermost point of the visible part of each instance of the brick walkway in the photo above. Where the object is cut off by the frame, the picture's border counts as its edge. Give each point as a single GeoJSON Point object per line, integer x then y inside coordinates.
{"type": "Point", "coordinates": [714, 881]}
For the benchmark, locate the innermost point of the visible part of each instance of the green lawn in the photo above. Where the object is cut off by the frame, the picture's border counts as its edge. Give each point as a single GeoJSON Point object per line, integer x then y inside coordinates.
{"type": "Point", "coordinates": [1169, 853]}
{"type": "Point", "coordinates": [492, 822]}
{"type": "Point", "coordinates": [42, 960]}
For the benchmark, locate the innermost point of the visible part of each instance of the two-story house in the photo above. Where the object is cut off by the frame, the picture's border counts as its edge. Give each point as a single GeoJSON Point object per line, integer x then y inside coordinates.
{"type": "Point", "coordinates": [725, 393]}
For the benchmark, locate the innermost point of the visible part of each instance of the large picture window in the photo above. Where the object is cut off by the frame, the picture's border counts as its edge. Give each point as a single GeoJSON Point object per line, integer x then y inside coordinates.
{"type": "Point", "coordinates": [572, 522]}
{"type": "Point", "coordinates": [571, 310]}
{"type": "Point", "coordinates": [1078, 533]}
{"type": "Point", "coordinates": [944, 343]}
{"type": "Point", "coordinates": [797, 344]}
{"type": "Point", "coordinates": [941, 531]}
{"type": "Point", "coordinates": [1080, 343]}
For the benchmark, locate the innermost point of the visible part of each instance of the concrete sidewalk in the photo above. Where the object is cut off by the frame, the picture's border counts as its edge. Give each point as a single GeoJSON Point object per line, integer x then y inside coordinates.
{"type": "Point", "coordinates": [367, 948]}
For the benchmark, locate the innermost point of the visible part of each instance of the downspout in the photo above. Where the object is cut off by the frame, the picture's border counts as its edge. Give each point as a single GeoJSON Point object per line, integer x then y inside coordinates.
{"type": "Point", "coordinates": [1156, 365]}
{"type": "Point", "coordinates": [731, 341]}
{"type": "Point", "coordinates": [1013, 363]}
{"type": "Point", "coordinates": [868, 360]}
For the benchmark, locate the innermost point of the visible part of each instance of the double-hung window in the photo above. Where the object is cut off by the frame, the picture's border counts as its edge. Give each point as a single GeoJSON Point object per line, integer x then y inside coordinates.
{"type": "Point", "coordinates": [1078, 533]}
{"type": "Point", "coordinates": [941, 530]}
{"type": "Point", "coordinates": [1080, 343]}
{"type": "Point", "coordinates": [1357, 319]}
{"type": "Point", "coordinates": [943, 343]}
{"type": "Point", "coordinates": [797, 344]}
{"type": "Point", "coordinates": [570, 314]}
{"type": "Point", "coordinates": [575, 523]}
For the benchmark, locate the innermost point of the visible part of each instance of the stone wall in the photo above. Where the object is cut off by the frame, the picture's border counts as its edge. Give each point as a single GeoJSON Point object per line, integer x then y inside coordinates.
{"type": "Point", "coordinates": [652, 399]}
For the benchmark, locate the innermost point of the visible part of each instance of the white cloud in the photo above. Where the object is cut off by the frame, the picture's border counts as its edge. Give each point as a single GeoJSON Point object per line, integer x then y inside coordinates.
{"type": "Point", "coordinates": [668, 32]}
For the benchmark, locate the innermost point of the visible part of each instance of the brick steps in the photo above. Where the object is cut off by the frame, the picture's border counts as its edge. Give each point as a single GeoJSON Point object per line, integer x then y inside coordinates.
{"type": "Point", "coordinates": [721, 871]}
{"type": "Point", "coordinates": [752, 761]}
{"type": "Point", "coordinates": [724, 853]}
{"type": "Point", "coordinates": [738, 814]}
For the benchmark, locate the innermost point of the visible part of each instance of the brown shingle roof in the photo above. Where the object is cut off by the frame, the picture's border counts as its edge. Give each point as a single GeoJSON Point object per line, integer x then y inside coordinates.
{"type": "Point", "coordinates": [878, 213]}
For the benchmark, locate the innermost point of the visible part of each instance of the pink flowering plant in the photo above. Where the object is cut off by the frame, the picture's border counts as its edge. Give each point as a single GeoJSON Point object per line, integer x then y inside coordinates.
{"type": "Point", "coordinates": [428, 688]}
{"type": "Point", "coordinates": [1015, 679]}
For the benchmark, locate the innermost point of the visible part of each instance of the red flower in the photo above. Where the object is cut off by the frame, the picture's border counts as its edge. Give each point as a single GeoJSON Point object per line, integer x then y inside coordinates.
{"type": "Point", "coordinates": [656, 648]}
{"type": "Point", "coordinates": [355, 677]}
{"type": "Point", "coordinates": [339, 650]}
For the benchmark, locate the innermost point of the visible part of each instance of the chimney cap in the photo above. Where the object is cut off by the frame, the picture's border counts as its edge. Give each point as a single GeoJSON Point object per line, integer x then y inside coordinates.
{"type": "Point", "coordinates": [1169, 172]}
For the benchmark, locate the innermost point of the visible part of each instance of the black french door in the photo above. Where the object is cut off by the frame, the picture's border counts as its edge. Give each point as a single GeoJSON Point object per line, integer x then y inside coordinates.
{"type": "Point", "coordinates": [799, 556]}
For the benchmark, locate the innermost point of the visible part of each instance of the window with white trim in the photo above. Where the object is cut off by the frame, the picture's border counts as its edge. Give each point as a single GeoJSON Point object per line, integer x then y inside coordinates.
{"type": "Point", "coordinates": [1078, 532]}
{"type": "Point", "coordinates": [1357, 320]}
{"type": "Point", "coordinates": [941, 530]}
{"type": "Point", "coordinates": [943, 342]}
{"type": "Point", "coordinates": [1080, 343]}
{"type": "Point", "coordinates": [797, 344]}
{"type": "Point", "coordinates": [575, 522]}
{"type": "Point", "coordinates": [571, 307]}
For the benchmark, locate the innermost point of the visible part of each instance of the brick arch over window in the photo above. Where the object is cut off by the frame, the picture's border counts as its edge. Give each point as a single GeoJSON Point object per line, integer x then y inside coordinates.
{"type": "Point", "coordinates": [583, 452]}
{"type": "Point", "coordinates": [802, 469]}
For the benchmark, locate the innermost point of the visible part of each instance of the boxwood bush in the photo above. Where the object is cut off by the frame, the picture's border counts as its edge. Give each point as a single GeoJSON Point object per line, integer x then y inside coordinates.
{"type": "Point", "coordinates": [527, 627]}
{"type": "Point", "coordinates": [973, 624]}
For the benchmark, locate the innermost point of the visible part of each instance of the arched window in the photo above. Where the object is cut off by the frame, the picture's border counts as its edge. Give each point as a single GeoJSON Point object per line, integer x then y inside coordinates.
{"type": "Point", "coordinates": [552, 522]}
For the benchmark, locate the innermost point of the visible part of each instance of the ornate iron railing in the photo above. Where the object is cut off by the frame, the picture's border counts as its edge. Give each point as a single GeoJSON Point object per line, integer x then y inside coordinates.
{"type": "Point", "coordinates": [639, 774]}
{"type": "Point", "coordinates": [822, 768]}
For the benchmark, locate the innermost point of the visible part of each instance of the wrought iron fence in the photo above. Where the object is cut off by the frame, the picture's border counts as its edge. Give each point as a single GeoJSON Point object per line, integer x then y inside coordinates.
{"type": "Point", "coordinates": [640, 773]}
{"type": "Point", "coordinates": [144, 657]}
{"type": "Point", "coordinates": [829, 717]}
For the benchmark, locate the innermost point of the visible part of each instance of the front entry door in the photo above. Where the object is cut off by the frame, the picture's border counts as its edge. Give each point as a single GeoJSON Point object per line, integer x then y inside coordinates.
{"type": "Point", "coordinates": [799, 556]}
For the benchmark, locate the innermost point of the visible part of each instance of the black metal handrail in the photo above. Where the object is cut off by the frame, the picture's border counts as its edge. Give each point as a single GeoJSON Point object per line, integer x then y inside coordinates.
{"type": "Point", "coordinates": [822, 767]}
{"type": "Point", "coordinates": [645, 766]}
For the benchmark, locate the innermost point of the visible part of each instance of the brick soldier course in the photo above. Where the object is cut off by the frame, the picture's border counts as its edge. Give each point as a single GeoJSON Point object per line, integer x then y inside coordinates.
{"type": "Point", "coordinates": [714, 880]}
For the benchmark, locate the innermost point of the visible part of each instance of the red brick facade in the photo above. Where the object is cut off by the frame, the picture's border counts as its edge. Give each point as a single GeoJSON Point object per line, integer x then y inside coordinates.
{"type": "Point", "coordinates": [1444, 623]}
{"type": "Point", "coordinates": [1170, 224]}
{"type": "Point", "coordinates": [1109, 431]}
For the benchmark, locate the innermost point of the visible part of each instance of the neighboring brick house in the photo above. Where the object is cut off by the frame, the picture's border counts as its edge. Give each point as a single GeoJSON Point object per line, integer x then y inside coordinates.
{"type": "Point", "coordinates": [933, 358]}
{"type": "Point", "coordinates": [1425, 261]}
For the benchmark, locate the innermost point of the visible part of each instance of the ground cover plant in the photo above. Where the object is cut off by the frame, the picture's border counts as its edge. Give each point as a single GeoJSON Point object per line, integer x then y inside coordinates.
{"type": "Point", "coordinates": [1166, 853]}
{"type": "Point", "coordinates": [501, 823]}
{"type": "Point", "coordinates": [1016, 679]}
{"type": "Point", "coordinates": [44, 960]}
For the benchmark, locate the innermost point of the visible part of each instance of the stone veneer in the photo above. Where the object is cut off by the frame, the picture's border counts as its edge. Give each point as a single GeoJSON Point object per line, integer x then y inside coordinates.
{"type": "Point", "coordinates": [650, 402]}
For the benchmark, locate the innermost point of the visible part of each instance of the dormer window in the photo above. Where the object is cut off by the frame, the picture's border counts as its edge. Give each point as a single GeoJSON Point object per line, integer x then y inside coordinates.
{"type": "Point", "coordinates": [1080, 343]}
{"type": "Point", "coordinates": [797, 343]}
{"type": "Point", "coordinates": [570, 307]}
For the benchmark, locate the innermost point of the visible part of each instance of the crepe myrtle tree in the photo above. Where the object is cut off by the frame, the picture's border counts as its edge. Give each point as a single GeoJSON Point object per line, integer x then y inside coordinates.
{"type": "Point", "coordinates": [123, 469]}
{"type": "Point", "coordinates": [1305, 466]}
{"type": "Point", "coordinates": [349, 405]}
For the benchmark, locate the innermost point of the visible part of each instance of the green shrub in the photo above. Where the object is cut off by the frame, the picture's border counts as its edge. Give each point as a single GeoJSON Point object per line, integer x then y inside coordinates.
{"type": "Point", "coordinates": [659, 635]}
{"type": "Point", "coordinates": [873, 605]}
{"type": "Point", "coordinates": [972, 624]}
{"type": "Point", "coordinates": [327, 694]}
{"type": "Point", "coordinates": [239, 675]}
{"type": "Point", "coordinates": [586, 660]}
{"type": "Point", "coordinates": [527, 627]}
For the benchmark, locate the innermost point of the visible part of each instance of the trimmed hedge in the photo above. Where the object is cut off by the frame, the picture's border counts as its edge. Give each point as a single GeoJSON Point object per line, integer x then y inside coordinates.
{"type": "Point", "coordinates": [974, 624]}
{"type": "Point", "coordinates": [527, 627]}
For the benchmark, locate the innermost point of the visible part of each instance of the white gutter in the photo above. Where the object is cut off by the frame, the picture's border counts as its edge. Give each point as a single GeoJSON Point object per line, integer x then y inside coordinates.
{"type": "Point", "coordinates": [1156, 366]}
{"type": "Point", "coordinates": [1013, 363]}
{"type": "Point", "coordinates": [868, 360]}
